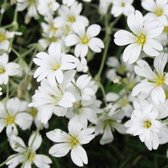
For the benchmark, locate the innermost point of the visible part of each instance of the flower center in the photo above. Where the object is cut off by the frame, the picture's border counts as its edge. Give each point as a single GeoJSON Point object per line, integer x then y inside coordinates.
{"type": "Point", "coordinates": [122, 4]}
{"type": "Point", "coordinates": [57, 97]}
{"type": "Point", "coordinates": [56, 67]}
{"type": "Point", "coordinates": [141, 39]}
{"type": "Point", "coordinates": [165, 29]}
{"type": "Point", "coordinates": [53, 28]}
{"type": "Point", "coordinates": [71, 19]}
{"type": "Point", "coordinates": [147, 124]}
{"type": "Point", "coordinates": [160, 80]}
{"type": "Point", "coordinates": [158, 12]}
{"type": "Point", "coordinates": [108, 122]}
{"type": "Point", "coordinates": [33, 112]}
{"type": "Point", "coordinates": [32, 2]}
{"type": "Point", "coordinates": [84, 40]}
{"type": "Point", "coordinates": [52, 39]}
{"type": "Point", "coordinates": [121, 69]}
{"type": "Point", "coordinates": [123, 102]}
{"type": "Point", "coordinates": [73, 141]}
{"type": "Point", "coordinates": [77, 107]}
{"type": "Point", "coordinates": [10, 119]}
{"type": "Point", "coordinates": [2, 37]}
{"type": "Point", "coordinates": [2, 70]}
{"type": "Point", "coordinates": [31, 156]}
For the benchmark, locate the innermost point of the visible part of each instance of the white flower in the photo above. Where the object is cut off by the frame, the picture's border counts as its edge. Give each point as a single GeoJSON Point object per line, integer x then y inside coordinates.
{"type": "Point", "coordinates": [31, 6]}
{"type": "Point", "coordinates": [51, 99]}
{"type": "Point", "coordinates": [52, 65]}
{"type": "Point", "coordinates": [84, 111]}
{"type": "Point", "coordinates": [82, 65]}
{"type": "Point", "coordinates": [68, 2]}
{"type": "Point", "coordinates": [154, 81]}
{"type": "Point", "coordinates": [143, 38]}
{"type": "Point", "coordinates": [27, 156]}
{"type": "Point", "coordinates": [104, 6]}
{"type": "Point", "coordinates": [51, 28]}
{"type": "Point", "coordinates": [109, 120]}
{"type": "Point", "coordinates": [7, 69]}
{"type": "Point", "coordinates": [122, 7]}
{"type": "Point", "coordinates": [158, 10]}
{"type": "Point", "coordinates": [71, 15]}
{"type": "Point", "coordinates": [122, 101]}
{"type": "Point", "coordinates": [47, 7]}
{"type": "Point", "coordinates": [71, 2]}
{"type": "Point", "coordinates": [87, 87]}
{"type": "Point", "coordinates": [85, 39]}
{"type": "Point", "coordinates": [5, 36]}
{"type": "Point", "coordinates": [76, 137]}
{"type": "Point", "coordinates": [144, 123]}
{"type": "Point", "coordinates": [0, 91]}
{"type": "Point", "coordinates": [14, 113]}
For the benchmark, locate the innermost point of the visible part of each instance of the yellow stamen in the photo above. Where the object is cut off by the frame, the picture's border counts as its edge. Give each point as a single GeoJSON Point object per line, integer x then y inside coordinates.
{"type": "Point", "coordinates": [2, 37]}
{"type": "Point", "coordinates": [165, 29]}
{"type": "Point", "coordinates": [122, 4]}
{"type": "Point", "coordinates": [56, 67]}
{"type": "Point", "coordinates": [123, 102]}
{"type": "Point", "coordinates": [10, 119]}
{"type": "Point", "coordinates": [147, 124]}
{"type": "Point", "coordinates": [73, 141]}
{"type": "Point", "coordinates": [53, 28]}
{"type": "Point", "coordinates": [31, 156]}
{"type": "Point", "coordinates": [33, 112]}
{"type": "Point", "coordinates": [2, 70]}
{"type": "Point", "coordinates": [158, 12]}
{"type": "Point", "coordinates": [52, 39]}
{"type": "Point", "coordinates": [84, 40]}
{"type": "Point", "coordinates": [159, 80]}
{"type": "Point", "coordinates": [32, 2]}
{"type": "Point", "coordinates": [141, 39]}
{"type": "Point", "coordinates": [71, 19]}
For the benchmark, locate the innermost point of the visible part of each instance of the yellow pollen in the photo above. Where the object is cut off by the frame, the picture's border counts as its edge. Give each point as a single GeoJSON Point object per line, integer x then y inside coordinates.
{"type": "Point", "coordinates": [84, 40]}
{"type": "Point", "coordinates": [147, 124]}
{"type": "Point", "coordinates": [53, 28]}
{"type": "Point", "coordinates": [73, 141]}
{"type": "Point", "coordinates": [33, 112]}
{"type": "Point", "coordinates": [141, 39]}
{"type": "Point", "coordinates": [56, 67]}
{"type": "Point", "coordinates": [31, 156]}
{"type": "Point", "coordinates": [49, 4]}
{"type": "Point", "coordinates": [52, 39]}
{"type": "Point", "coordinates": [10, 119]}
{"type": "Point", "coordinates": [2, 37]}
{"type": "Point", "coordinates": [56, 98]}
{"type": "Point", "coordinates": [122, 4]}
{"type": "Point", "coordinates": [32, 2]}
{"type": "Point", "coordinates": [121, 69]}
{"type": "Point", "coordinates": [107, 122]}
{"type": "Point", "coordinates": [71, 19]}
{"type": "Point", "coordinates": [165, 29]}
{"type": "Point", "coordinates": [123, 102]}
{"type": "Point", "coordinates": [2, 70]}
{"type": "Point", "coordinates": [158, 12]}
{"type": "Point", "coordinates": [160, 80]}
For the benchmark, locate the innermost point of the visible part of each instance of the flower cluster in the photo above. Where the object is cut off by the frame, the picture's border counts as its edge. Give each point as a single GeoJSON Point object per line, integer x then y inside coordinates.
{"type": "Point", "coordinates": [48, 77]}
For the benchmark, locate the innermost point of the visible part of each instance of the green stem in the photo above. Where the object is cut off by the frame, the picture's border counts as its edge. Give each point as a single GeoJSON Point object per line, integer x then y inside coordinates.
{"type": "Point", "coordinates": [7, 91]}
{"type": "Point", "coordinates": [1, 16]}
{"type": "Point", "coordinates": [107, 42]}
{"type": "Point", "coordinates": [103, 92]}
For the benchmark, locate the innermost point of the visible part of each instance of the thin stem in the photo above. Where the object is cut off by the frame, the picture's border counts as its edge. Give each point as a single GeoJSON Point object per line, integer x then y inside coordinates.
{"type": "Point", "coordinates": [107, 42]}
{"type": "Point", "coordinates": [7, 91]}
{"type": "Point", "coordinates": [1, 16]}
{"type": "Point", "coordinates": [103, 92]}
